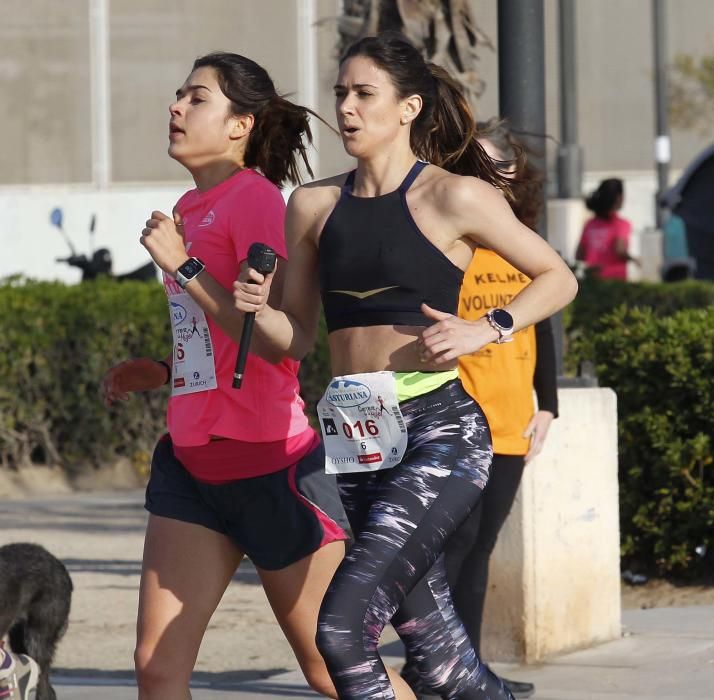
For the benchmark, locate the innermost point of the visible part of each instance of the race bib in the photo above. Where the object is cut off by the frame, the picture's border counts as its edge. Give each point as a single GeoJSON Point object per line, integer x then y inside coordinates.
{"type": "Point", "coordinates": [362, 426]}
{"type": "Point", "coordinates": [194, 368]}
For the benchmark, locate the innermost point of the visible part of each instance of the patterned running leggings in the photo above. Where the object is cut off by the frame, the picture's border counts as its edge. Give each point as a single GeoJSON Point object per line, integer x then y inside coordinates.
{"type": "Point", "coordinates": [401, 519]}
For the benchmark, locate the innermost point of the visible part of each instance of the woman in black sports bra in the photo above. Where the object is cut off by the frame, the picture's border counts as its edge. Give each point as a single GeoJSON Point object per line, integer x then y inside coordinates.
{"type": "Point", "coordinates": [385, 247]}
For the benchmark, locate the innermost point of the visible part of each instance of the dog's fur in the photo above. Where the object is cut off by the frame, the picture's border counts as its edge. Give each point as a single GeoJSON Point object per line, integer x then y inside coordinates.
{"type": "Point", "coordinates": [35, 597]}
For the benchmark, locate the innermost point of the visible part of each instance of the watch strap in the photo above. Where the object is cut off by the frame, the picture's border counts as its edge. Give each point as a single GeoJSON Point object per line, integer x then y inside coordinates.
{"type": "Point", "coordinates": [184, 275]}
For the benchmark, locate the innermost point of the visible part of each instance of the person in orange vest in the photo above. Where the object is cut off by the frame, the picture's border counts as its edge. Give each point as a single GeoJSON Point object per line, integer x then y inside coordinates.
{"type": "Point", "coordinates": [502, 378]}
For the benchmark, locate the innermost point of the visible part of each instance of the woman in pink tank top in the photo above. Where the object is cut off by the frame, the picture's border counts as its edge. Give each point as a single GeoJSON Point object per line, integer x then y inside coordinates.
{"type": "Point", "coordinates": [240, 471]}
{"type": "Point", "coordinates": [605, 238]}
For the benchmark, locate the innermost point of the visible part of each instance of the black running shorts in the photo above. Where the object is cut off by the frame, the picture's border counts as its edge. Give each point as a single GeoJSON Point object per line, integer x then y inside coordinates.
{"type": "Point", "coordinates": [276, 519]}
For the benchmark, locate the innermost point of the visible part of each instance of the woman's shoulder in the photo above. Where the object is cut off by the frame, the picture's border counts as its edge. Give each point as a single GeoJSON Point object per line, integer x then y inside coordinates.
{"type": "Point", "coordinates": [186, 198]}
{"type": "Point", "coordinates": [454, 193]}
{"type": "Point", "coordinates": [252, 181]}
{"type": "Point", "coordinates": [317, 195]}
{"type": "Point", "coordinates": [622, 223]}
{"type": "Point", "coordinates": [252, 191]}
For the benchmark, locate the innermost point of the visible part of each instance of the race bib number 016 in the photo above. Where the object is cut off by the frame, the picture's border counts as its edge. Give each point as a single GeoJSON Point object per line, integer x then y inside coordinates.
{"type": "Point", "coordinates": [362, 427]}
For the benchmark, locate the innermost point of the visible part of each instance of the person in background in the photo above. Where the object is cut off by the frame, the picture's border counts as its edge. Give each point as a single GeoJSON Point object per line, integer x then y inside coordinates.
{"type": "Point", "coordinates": [501, 377]}
{"type": "Point", "coordinates": [605, 239]}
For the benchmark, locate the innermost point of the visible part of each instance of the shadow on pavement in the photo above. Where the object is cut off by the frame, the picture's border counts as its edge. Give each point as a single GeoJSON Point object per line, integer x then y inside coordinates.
{"type": "Point", "coordinates": [225, 680]}
{"type": "Point", "coordinates": [121, 567]}
{"type": "Point", "coordinates": [287, 690]}
{"type": "Point", "coordinates": [129, 567]}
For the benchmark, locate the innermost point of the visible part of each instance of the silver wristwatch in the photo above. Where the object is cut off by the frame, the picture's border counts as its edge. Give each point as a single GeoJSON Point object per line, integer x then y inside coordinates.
{"type": "Point", "coordinates": [502, 322]}
{"type": "Point", "coordinates": [191, 269]}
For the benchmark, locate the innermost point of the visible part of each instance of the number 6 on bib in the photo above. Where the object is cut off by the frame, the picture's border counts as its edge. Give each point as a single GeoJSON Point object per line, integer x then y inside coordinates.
{"type": "Point", "coordinates": [362, 426]}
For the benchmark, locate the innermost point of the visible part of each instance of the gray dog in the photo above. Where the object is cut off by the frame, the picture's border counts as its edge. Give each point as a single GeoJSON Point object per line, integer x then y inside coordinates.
{"type": "Point", "coordinates": [35, 597]}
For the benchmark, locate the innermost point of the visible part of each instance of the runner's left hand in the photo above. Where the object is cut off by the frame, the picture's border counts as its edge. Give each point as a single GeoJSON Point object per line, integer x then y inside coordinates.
{"type": "Point", "coordinates": [451, 336]}
{"type": "Point", "coordinates": [164, 241]}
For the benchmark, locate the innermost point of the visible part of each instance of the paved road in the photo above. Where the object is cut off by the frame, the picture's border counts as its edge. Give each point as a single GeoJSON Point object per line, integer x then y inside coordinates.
{"type": "Point", "coordinates": [665, 653]}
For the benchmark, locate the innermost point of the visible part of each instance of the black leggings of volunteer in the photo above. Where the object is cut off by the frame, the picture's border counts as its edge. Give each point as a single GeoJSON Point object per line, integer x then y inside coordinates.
{"type": "Point", "coordinates": [470, 547]}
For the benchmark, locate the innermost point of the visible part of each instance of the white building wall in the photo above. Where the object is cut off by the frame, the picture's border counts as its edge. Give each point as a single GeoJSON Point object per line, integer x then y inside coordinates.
{"type": "Point", "coordinates": [45, 76]}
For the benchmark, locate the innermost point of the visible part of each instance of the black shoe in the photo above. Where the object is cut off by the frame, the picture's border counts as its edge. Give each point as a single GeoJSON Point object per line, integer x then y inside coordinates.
{"type": "Point", "coordinates": [519, 689]}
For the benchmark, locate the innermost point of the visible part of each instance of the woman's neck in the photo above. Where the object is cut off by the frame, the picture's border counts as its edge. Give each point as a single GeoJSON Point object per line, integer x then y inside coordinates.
{"type": "Point", "coordinates": [383, 173]}
{"type": "Point", "coordinates": [213, 174]}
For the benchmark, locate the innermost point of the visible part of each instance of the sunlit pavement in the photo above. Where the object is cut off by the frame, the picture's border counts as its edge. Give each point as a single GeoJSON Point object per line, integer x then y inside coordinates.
{"type": "Point", "coordinates": [664, 653]}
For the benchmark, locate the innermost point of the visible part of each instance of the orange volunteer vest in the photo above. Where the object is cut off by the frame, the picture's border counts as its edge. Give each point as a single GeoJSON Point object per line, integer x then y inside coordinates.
{"type": "Point", "coordinates": [499, 377]}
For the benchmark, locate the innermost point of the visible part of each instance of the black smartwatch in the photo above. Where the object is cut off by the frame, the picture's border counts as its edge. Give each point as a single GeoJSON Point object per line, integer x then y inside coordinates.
{"type": "Point", "coordinates": [502, 322]}
{"type": "Point", "coordinates": [191, 269]}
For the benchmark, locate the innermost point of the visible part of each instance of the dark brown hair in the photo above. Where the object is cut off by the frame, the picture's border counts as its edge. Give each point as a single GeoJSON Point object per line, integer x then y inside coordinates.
{"type": "Point", "coordinates": [527, 181]}
{"type": "Point", "coordinates": [444, 132]}
{"type": "Point", "coordinates": [604, 199]}
{"type": "Point", "coordinates": [281, 132]}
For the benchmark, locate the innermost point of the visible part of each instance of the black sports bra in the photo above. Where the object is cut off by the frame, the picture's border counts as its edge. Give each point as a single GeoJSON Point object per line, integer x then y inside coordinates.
{"type": "Point", "coordinates": [376, 266]}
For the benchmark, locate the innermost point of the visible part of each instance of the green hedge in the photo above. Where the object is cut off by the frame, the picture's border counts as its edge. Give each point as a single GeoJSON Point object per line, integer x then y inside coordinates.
{"type": "Point", "coordinates": [56, 344]}
{"type": "Point", "coordinates": [597, 298]}
{"type": "Point", "coordinates": [662, 369]}
{"type": "Point", "coordinates": [59, 340]}
{"type": "Point", "coordinates": [654, 344]}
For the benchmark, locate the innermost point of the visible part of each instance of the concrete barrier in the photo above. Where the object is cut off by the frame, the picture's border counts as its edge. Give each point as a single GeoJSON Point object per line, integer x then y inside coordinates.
{"type": "Point", "coordinates": [554, 581]}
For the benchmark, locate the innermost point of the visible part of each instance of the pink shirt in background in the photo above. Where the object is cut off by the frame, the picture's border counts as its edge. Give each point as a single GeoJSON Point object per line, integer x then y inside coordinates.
{"type": "Point", "coordinates": [219, 227]}
{"type": "Point", "coordinates": [598, 245]}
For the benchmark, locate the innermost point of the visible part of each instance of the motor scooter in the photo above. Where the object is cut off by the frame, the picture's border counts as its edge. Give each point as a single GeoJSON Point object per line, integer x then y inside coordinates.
{"type": "Point", "coordinates": [99, 262]}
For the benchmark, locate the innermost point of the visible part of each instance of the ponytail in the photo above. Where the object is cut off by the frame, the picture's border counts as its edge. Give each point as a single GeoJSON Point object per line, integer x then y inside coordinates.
{"type": "Point", "coordinates": [449, 138]}
{"type": "Point", "coordinates": [281, 132]}
{"type": "Point", "coordinates": [279, 141]}
{"type": "Point", "coordinates": [603, 200]}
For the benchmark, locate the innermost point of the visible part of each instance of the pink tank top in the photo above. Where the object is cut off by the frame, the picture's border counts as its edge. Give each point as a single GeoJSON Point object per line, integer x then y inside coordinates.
{"type": "Point", "coordinates": [598, 242]}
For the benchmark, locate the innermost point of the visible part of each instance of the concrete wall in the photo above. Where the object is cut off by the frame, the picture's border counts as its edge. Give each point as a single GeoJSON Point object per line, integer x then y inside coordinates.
{"type": "Point", "coordinates": [153, 45]}
{"type": "Point", "coordinates": [46, 117]}
{"type": "Point", "coordinates": [614, 73]}
{"type": "Point", "coordinates": [122, 209]}
{"type": "Point", "coordinates": [44, 81]}
{"type": "Point", "coordinates": [554, 580]}
{"type": "Point", "coordinates": [331, 158]}
{"type": "Point", "coordinates": [33, 243]}
{"type": "Point", "coordinates": [45, 78]}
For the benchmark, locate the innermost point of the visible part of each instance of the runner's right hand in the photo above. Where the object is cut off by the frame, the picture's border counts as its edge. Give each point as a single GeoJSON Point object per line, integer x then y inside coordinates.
{"type": "Point", "coordinates": [251, 290]}
{"type": "Point", "coordinates": [140, 374]}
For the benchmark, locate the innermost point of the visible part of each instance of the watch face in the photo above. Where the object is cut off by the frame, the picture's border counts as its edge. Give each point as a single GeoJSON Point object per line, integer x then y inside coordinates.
{"type": "Point", "coordinates": [191, 268]}
{"type": "Point", "coordinates": [502, 318]}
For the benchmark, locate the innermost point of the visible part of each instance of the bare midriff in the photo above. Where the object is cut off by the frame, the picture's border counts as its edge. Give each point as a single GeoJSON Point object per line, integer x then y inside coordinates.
{"type": "Point", "coordinates": [377, 348]}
